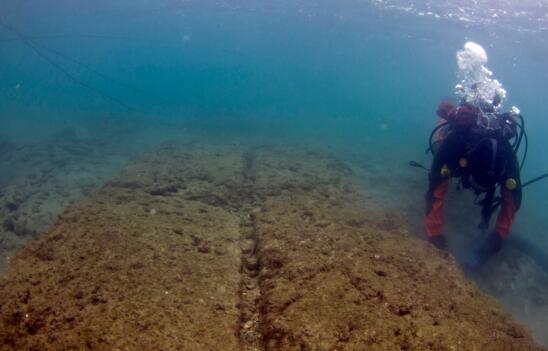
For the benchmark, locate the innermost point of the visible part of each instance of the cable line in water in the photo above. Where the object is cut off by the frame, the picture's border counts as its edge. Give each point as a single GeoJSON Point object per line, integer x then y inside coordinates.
{"type": "Point", "coordinates": [87, 36]}
{"type": "Point", "coordinates": [102, 75]}
{"type": "Point", "coordinates": [60, 68]}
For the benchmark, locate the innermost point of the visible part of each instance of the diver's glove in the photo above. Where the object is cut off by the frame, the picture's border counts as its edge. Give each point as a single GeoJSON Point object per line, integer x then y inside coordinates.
{"type": "Point", "coordinates": [482, 250]}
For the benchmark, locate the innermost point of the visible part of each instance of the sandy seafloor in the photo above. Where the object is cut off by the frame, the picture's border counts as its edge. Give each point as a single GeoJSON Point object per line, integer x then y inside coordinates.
{"type": "Point", "coordinates": [218, 242]}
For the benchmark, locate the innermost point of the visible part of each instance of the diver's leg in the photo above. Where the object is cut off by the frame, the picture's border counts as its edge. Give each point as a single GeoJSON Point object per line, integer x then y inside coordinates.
{"type": "Point", "coordinates": [437, 188]}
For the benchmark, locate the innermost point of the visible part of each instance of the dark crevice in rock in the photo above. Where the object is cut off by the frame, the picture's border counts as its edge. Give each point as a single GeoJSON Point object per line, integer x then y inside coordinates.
{"type": "Point", "coordinates": [251, 338]}
{"type": "Point", "coordinates": [249, 333]}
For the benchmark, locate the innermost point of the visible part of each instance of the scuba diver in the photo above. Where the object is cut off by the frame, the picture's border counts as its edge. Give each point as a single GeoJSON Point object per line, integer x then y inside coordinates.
{"type": "Point", "coordinates": [478, 144]}
{"type": "Point", "coordinates": [473, 143]}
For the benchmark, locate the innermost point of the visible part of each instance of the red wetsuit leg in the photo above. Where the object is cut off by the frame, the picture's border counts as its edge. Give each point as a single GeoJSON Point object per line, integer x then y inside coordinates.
{"type": "Point", "coordinates": [434, 216]}
{"type": "Point", "coordinates": [506, 215]}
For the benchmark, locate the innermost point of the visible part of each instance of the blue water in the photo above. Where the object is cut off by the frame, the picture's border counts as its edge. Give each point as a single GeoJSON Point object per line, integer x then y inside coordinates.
{"type": "Point", "coordinates": [347, 66]}
{"type": "Point", "coordinates": [365, 74]}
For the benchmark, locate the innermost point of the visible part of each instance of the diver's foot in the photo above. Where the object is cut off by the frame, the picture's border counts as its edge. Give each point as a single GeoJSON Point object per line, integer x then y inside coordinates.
{"type": "Point", "coordinates": [438, 241]}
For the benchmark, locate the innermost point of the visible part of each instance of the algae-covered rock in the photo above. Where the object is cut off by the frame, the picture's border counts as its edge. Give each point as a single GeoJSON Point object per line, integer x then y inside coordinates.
{"type": "Point", "coordinates": [267, 249]}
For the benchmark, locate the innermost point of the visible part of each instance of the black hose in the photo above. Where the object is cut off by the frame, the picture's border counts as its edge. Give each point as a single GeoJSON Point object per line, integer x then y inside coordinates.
{"type": "Point", "coordinates": [522, 132]}
{"type": "Point", "coordinates": [498, 200]}
{"type": "Point", "coordinates": [540, 177]}
{"type": "Point", "coordinates": [418, 165]}
{"type": "Point", "coordinates": [525, 152]}
{"type": "Point", "coordinates": [522, 135]}
{"type": "Point", "coordinates": [432, 136]}
{"type": "Point", "coordinates": [515, 144]}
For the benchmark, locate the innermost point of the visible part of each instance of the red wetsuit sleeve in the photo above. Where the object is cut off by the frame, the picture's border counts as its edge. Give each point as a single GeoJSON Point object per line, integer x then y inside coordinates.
{"type": "Point", "coordinates": [506, 215]}
{"type": "Point", "coordinates": [434, 215]}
